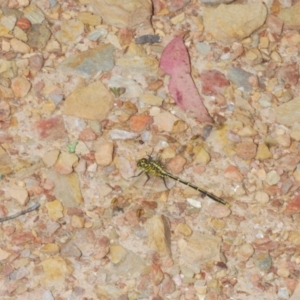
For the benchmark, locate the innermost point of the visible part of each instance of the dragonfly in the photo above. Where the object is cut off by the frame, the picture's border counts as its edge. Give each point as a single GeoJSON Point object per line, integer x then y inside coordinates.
{"type": "Point", "coordinates": [150, 166]}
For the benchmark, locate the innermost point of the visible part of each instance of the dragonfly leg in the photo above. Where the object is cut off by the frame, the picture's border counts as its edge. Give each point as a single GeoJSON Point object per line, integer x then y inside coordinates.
{"type": "Point", "coordinates": [138, 174]}
{"type": "Point", "coordinates": [148, 177]}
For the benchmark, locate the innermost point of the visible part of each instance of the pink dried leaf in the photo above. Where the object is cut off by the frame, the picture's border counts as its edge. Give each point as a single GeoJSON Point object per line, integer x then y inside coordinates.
{"type": "Point", "coordinates": [175, 62]}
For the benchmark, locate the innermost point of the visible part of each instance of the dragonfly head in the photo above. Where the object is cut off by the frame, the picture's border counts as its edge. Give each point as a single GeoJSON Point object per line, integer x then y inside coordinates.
{"type": "Point", "coordinates": [142, 163]}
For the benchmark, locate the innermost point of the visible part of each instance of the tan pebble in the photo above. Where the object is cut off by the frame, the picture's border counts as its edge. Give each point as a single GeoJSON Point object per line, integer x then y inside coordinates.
{"type": "Point", "coordinates": [87, 134]}
{"type": "Point", "coordinates": [19, 47]}
{"type": "Point", "coordinates": [218, 210]}
{"type": "Point", "coordinates": [48, 107]}
{"type": "Point", "coordinates": [264, 42]}
{"type": "Point", "coordinates": [66, 162]}
{"type": "Point", "coordinates": [159, 235]}
{"type": "Point", "coordinates": [283, 272]}
{"type": "Point", "coordinates": [4, 254]}
{"type": "Point", "coordinates": [246, 150]}
{"type": "Point", "coordinates": [218, 224]}
{"type": "Point", "coordinates": [20, 87]}
{"type": "Point", "coordinates": [19, 193]}
{"type": "Point", "coordinates": [153, 86]}
{"type": "Point", "coordinates": [50, 249]}
{"type": "Point", "coordinates": [202, 157]}
{"type": "Point", "coordinates": [151, 99]}
{"type": "Point", "coordinates": [184, 229]}
{"type": "Point", "coordinates": [164, 121]}
{"type": "Point", "coordinates": [104, 154]}
{"type": "Point", "coordinates": [23, 23]}
{"type": "Point", "coordinates": [89, 18]}
{"type": "Point", "coordinates": [263, 152]}
{"type": "Point", "coordinates": [50, 158]}
{"type": "Point", "coordinates": [77, 222]}
{"type": "Point", "coordinates": [157, 274]}
{"type": "Point", "coordinates": [272, 177]}
{"type": "Point", "coordinates": [179, 127]}
{"type": "Point", "coordinates": [140, 122]}
{"type": "Point", "coordinates": [55, 268]}
{"type": "Point", "coordinates": [176, 164]}
{"type": "Point", "coordinates": [118, 253]}
{"type": "Point", "coordinates": [88, 224]}
{"type": "Point", "coordinates": [296, 175]}
{"type": "Point", "coordinates": [244, 252]}
{"type": "Point", "coordinates": [178, 19]}
{"type": "Point", "coordinates": [167, 153]}
{"type": "Point", "coordinates": [262, 197]}
{"type": "Point", "coordinates": [294, 238]}
{"type": "Point", "coordinates": [276, 56]}
{"type": "Point", "coordinates": [4, 110]}
{"type": "Point", "coordinates": [55, 210]}
{"type": "Point", "coordinates": [247, 131]}
{"type": "Point", "coordinates": [284, 140]}
{"type": "Point", "coordinates": [232, 173]}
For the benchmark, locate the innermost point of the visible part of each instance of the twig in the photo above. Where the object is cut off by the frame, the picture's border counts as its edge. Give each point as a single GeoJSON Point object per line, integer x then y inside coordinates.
{"type": "Point", "coordinates": [23, 212]}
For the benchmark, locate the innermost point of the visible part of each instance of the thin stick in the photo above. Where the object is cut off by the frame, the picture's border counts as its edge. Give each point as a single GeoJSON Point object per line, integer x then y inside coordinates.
{"type": "Point", "coordinates": [23, 212]}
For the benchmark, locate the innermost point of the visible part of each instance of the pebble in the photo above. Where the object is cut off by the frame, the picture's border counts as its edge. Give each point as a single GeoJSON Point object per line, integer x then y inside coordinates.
{"type": "Point", "coordinates": [244, 252]}
{"type": "Point", "coordinates": [20, 87]}
{"type": "Point", "coordinates": [274, 24]}
{"type": "Point", "coordinates": [50, 249]}
{"type": "Point", "coordinates": [183, 229]}
{"type": "Point", "coordinates": [50, 158]}
{"type": "Point", "coordinates": [263, 261]}
{"type": "Point", "coordinates": [293, 205]}
{"type": "Point", "coordinates": [200, 248]}
{"type": "Point", "coordinates": [175, 164]}
{"type": "Point", "coordinates": [137, 59]}
{"type": "Point", "coordinates": [91, 102]}
{"type": "Point", "coordinates": [67, 188]}
{"type": "Point", "coordinates": [289, 16]}
{"type": "Point", "coordinates": [66, 162]}
{"type": "Point", "coordinates": [104, 154]}
{"type": "Point", "coordinates": [70, 31]}
{"type": "Point", "coordinates": [89, 18]}
{"type": "Point", "coordinates": [164, 121]}
{"type": "Point", "coordinates": [4, 254]}
{"type": "Point", "coordinates": [139, 123]}
{"type": "Point", "coordinates": [151, 99]}
{"type": "Point", "coordinates": [246, 18]}
{"type": "Point", "coordinates": [38, 36]}
{"type": "Point", "coordinates": [232, 173]}
{"type": "Point", "coordinates": [70, 250]}
{"type": "Point", "coordinates": [55, 269]}
{"type": "Point", "coordinates": [213, 82]}
{"type": "Point", "coordinates": [203, 48]}
{"type": "Point", "coordinates": [18, 193]}
{"type": "Point", "coordinates": [272, 177]}
{"type": "Point", "coordinates": [134, 14]}
{"type": "Point", "coordinates": [77, 222]}
{"type": "Point", "coordinates": [263, 152]}
{"type": "Point", "coordinates": [240, 78]}
{"type": "Point", "coordinates": [9, 22]}
{"type": "Point", "coordinates": [159, 235]}
{"type": "Point", "coordinates": [218, 211]}
{"type": "Point", "coordinates": [51, 129]}
{"type": "Point", "coordinates": [261, 197]}
{"type": "Point", "coordinates": [34, 14]}
{"type": "Point", "coordinates": [246, 150]}
{"type": "Point", "coordinates": [23, 23]}
{"type": "Point", "coordinates": [289, 74]}
{"type": "Point", "coordinates": [55, 210]}
{"type": "Point", "coordinates": [288, 113]}
{"type": "Point", "coordinates": [202, 157]}
{"type": "Point", "coordinates": [88, 63]}
{"type": "Point", "coordinates": [4, 110]}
